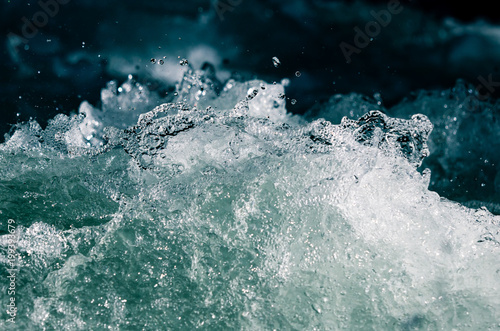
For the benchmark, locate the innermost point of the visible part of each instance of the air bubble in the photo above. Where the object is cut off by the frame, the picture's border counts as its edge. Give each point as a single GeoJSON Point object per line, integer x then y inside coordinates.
{"type": "Point", "coordinates": [252, 93]}
{"type": "Point", "coordinates": [297, 74]}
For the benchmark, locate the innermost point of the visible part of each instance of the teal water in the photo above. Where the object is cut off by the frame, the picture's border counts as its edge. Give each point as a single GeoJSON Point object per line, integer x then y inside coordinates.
{"type": "Point", "coordinates": [227, 213]}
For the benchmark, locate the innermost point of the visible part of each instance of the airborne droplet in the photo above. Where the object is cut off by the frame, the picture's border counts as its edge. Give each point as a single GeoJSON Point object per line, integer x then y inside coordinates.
{"type": "Point", "coordinates": [276, 62]}
{"type": "Point", "coordinates": [183, 62]}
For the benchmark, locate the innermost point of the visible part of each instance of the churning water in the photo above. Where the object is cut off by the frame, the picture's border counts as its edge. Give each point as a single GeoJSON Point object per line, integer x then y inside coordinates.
{"type": "Point", "coordinates": [222, 211]}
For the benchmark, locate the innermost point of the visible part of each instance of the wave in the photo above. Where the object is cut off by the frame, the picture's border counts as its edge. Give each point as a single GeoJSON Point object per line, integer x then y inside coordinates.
{"type": "Point", "coordinates": [219, 209]}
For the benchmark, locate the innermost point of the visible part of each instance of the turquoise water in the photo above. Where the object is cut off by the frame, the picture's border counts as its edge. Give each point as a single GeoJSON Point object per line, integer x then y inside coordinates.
{"type": "Point", "coordinates": [228, 213]}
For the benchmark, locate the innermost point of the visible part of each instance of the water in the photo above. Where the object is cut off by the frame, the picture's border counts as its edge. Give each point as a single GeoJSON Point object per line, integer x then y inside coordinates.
{"type": "Point", "coordinates": [276, 62]}
{"type": "Point", "coordinates": [207, 184]}
{"type": "Point", "coordinates": [223, 211]}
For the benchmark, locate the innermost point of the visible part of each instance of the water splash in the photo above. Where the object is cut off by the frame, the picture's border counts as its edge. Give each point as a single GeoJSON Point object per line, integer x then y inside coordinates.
{"type": "Point", "coordinates": [220, 210]}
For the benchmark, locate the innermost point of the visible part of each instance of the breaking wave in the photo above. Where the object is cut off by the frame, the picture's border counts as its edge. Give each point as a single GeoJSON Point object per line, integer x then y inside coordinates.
{"type": "Point", "coordinates": [218, 209]}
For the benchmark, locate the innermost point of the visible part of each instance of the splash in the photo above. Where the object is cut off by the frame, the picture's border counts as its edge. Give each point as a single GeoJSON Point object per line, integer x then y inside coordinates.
{"type": "Point", "coordinates": [217, 209]}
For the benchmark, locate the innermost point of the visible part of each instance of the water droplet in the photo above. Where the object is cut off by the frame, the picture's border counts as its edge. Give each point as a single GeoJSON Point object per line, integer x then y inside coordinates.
{"type": "Point", "coordinates": [153, 60]}
{"type": "Point", "coordinates": [183, 62]}
{"type": "Point", "coordinates": [229, 84]}
{"type": "Point", "coordinates": [297, 74]}
{"type": "Point", "coordinates": [161, 62]}
{"type": "Point", "coordinates": [276, 62]}
{"type": "Point", "coordinates": [378, 97]}
{"type": "Point", "coordinates": [293, 101]}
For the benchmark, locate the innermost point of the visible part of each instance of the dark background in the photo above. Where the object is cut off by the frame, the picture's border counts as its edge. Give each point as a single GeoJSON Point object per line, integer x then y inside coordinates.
{"type": "Point", "coordinates": [309, 43]}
